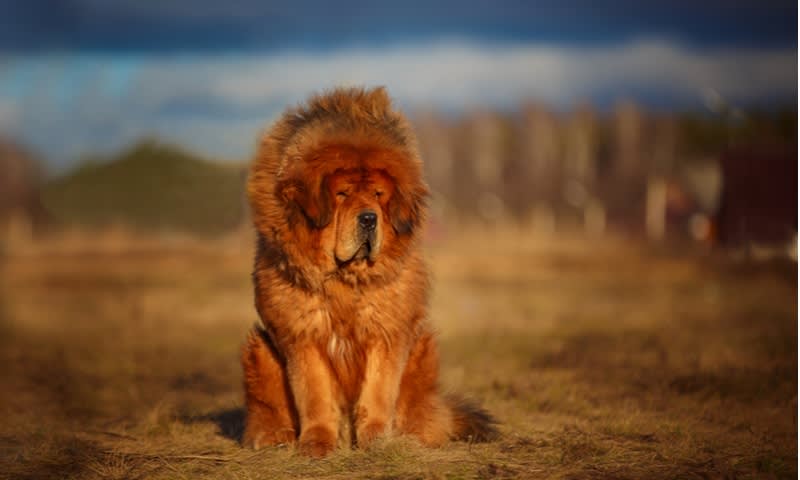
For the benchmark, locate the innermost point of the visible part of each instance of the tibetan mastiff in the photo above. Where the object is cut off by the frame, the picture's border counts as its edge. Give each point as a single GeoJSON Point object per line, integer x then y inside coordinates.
{"type": "Point", "coordinates": [346, 353]}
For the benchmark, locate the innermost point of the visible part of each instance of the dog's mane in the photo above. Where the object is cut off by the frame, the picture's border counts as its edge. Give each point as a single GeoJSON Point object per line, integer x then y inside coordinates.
{"type": "Point", "coordinates": [365, 117]}
{"type": "Point", "coordinates": [359, 117]}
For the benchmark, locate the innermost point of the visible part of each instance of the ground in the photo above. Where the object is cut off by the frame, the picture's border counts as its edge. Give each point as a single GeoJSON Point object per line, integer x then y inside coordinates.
{"type": "Point", "coordinates": [601, 358]}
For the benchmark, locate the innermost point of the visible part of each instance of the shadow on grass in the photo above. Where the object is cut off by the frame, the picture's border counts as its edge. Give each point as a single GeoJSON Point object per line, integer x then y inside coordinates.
{"type": "Point", "coordinates": [230, 422]}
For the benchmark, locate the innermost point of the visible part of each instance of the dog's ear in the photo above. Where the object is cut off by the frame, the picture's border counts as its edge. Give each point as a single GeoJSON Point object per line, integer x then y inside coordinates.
{"type": "Point", "coordinates": [407, 209]}
{"type": "Point", "coordinates": [312, 201]}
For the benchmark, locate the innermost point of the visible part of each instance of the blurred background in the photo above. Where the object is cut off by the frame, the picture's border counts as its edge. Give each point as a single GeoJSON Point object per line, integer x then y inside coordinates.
{"type": "Point", "coordinates": [612, 233]}
{"type": "Point", "coordinates": [663, 120]}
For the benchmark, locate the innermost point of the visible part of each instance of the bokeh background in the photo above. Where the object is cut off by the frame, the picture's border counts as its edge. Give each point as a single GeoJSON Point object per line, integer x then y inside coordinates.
{"type": "Point", "coordinates": [612, 230]}
{"type": "Point", "coordinates": [618, 114]}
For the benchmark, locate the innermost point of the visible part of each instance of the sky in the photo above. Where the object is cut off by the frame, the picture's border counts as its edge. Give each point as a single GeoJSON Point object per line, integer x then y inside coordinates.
{"type": "Point", "coordinates": [92, 76]}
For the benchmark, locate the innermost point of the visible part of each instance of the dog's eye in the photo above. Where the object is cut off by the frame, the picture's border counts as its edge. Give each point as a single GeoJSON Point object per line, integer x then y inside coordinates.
{"type": "Point", "coordinates": [341, 194]}
{"type": "Point", "coordinates": [378, 194]}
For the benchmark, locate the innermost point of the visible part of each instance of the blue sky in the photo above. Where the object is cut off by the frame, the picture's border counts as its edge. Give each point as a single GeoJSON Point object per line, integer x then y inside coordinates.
{"type": "Point", "coordinates": [83, 76]}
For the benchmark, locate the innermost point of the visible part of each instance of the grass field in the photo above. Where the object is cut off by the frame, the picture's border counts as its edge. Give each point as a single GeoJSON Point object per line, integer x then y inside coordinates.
{"type": "Point", "coordinates": [602, 359]}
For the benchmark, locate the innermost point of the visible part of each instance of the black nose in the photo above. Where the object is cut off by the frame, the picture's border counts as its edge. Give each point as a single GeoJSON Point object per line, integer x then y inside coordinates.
{"type": "Point", "coordinates": [367, 220]}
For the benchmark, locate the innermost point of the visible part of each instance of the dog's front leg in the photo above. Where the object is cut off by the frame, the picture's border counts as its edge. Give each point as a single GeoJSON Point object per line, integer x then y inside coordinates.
{"type": "Point", "coordinates": [375, 409]}
{"type": "Point", "coordinates": [313, 388]}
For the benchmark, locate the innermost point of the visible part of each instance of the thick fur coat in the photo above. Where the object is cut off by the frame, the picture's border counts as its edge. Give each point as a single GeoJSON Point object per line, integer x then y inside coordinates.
{"type": "Point", "coordinates": [346, 353]}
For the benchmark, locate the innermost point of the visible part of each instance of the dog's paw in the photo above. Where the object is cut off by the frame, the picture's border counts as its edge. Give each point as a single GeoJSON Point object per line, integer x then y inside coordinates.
{"type": "Point", "coordinates": [257, 438]}
{"type": "Point", "coordinates": [370, 431]}
{"type": "Point", "coordinates": [317, 442]}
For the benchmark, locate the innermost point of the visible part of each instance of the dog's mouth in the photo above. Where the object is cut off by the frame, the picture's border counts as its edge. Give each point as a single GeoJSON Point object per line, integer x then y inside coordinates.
{"type": "Point", "coordinates": [365, 252]}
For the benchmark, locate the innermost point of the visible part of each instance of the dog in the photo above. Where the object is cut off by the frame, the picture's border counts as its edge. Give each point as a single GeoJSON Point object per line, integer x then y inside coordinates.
{"type": "Point", "coordinates": [345, 353]}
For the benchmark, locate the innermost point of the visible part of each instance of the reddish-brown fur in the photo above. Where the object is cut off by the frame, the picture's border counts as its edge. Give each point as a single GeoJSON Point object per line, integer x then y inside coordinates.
{"type": "Point", "coordinates": [347, 353]}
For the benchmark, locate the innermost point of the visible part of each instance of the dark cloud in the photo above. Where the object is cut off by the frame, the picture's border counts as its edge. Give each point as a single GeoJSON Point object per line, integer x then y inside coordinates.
{"type": "Point", "coordinates": [203, 25]}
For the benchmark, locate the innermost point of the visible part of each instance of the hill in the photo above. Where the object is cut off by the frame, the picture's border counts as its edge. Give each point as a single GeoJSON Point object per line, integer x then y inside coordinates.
{"type": "Point", "coordinates": [152, 187]}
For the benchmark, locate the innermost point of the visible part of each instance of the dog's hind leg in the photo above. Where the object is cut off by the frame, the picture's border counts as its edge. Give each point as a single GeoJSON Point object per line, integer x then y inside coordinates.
{"type": "Point", "coordinates": [271, 416]}
{"type": "Point", "coordinates": [422, 411]}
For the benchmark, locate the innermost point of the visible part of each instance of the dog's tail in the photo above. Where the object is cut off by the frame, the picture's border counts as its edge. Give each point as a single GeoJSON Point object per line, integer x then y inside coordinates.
{"type": "Point", "coordinates": [471, 422]}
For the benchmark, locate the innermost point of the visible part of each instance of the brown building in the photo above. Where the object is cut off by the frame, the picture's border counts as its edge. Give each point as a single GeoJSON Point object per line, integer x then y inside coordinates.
{"type": "Point", "coordinates": [758, 203]}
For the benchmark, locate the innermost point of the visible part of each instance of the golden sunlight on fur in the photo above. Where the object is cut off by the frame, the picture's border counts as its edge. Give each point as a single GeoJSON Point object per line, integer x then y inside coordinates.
{"type": "Point", "coordinates": [346, 353]}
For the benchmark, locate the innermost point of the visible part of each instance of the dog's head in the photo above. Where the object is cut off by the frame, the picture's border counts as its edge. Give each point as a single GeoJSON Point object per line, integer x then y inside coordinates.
{"type": "Point", "coordinates": [337, 187]}
{"type": "Point", "coordinates": [355, 202]}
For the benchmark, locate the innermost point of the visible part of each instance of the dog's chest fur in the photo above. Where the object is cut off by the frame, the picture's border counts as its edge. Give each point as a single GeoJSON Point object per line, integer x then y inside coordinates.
{"type": "Point", "coordinates": [351, 329]}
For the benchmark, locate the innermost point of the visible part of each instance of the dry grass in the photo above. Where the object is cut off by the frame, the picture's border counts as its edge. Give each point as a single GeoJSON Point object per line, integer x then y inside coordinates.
{"type": "Point", "coordinates": [602, 359]}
